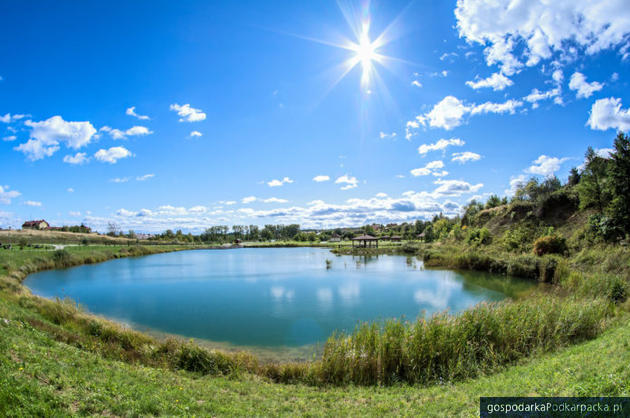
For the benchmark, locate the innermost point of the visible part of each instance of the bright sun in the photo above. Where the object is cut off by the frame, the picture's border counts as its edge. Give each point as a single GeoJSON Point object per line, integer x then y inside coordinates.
{"type": "Point", "coordinates": [365, 53]}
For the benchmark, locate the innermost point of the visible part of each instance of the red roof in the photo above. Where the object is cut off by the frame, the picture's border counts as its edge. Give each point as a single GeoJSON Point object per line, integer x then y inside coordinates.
{"type": "Point", "coordinates": [33, 223]}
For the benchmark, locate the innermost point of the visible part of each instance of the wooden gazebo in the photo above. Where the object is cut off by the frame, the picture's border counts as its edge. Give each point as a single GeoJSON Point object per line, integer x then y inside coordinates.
{"type": "Point", "coordinates": [365, 241]}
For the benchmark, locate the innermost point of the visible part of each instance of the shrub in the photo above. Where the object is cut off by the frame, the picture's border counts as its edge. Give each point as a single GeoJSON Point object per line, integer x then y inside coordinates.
{"type": "Point", "coordinates": [479, 235]}
{"type": "Point", "coordinates": [199, 360]}
{"type": "Point", "coordinates": [62, 258]}
{"type": "Point", "coordinates": [550, 244]}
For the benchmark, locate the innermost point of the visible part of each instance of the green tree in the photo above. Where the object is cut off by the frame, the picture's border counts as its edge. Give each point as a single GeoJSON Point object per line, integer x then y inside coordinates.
{"type": "Point", "coordinates": [620, 183]}
{"type": "Point", "coordinates": [594, 188]}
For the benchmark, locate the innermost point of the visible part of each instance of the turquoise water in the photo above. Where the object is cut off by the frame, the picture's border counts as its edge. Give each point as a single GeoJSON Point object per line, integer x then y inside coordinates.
{"type": "Point", "coordinates": [266, 297]}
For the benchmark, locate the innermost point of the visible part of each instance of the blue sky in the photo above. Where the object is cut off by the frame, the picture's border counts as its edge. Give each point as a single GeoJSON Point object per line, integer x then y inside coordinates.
{"type": "Point", "coordinates": [160, 115]}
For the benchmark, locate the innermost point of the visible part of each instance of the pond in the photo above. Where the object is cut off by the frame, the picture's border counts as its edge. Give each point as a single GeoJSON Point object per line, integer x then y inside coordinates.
{"type": "Point", "coordinates": [271, 297]}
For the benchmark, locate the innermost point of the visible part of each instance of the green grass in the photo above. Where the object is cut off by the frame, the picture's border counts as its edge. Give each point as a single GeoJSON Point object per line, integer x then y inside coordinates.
{"type": "Point", "coordinates": [42, 376]}
{"type": "Point", "coordinates": [73, 362]}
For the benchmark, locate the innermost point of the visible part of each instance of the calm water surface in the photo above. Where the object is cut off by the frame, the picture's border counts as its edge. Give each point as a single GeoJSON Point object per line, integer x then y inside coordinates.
{"type": "Point", "coordinates": [266, 297]}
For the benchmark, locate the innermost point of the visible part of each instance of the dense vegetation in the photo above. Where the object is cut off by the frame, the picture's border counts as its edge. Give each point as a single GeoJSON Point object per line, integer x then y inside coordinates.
{"type": "Point", "coordinates": [570, 236]}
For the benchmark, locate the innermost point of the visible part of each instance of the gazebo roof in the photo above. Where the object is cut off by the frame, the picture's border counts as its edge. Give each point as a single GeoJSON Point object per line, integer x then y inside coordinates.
{"type": "Point", "coordinates": [365, 238]}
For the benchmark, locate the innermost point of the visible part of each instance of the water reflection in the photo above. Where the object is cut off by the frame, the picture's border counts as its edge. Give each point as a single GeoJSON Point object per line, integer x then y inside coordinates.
{"type": "Point", "coordinates": [267, 297]}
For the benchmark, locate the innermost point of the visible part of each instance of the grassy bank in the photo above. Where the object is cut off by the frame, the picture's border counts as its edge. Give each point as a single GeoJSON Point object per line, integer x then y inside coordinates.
{"type": "Point", "coordinates": [42, 376]}
{"type": "Point", "coordinates": [478, 341]}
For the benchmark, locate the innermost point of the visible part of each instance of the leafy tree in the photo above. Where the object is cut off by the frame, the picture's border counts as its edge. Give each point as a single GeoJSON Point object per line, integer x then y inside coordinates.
{"type": "Point", "coordinates": [493, 202]}
{"type": "Point", "coordinates": [620, 183]}
{"type": "Point", "coordinates": [574, 177]}
{"type": "Point", "coordinates": [594, 188]}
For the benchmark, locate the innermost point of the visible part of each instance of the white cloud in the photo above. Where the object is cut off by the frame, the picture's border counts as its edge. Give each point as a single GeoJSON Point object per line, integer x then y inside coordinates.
{"type": "Point", "coordinates": [604, 152]}
{"type": "Point", "coordinates": [447, 114]}
{"type": "Point", "coordinates": [33, 203]}
{"type": "Point", "coordinates": [131, 111]}
{"type": "Point", "coordinates": [440, 145]}
{"type": "Point", "coordinates": [450, 112]}
{"type": "Point", "coordinates": [145, 177]}
{"type": "Point", "coordinates": [536, 95]}
{"type": "Point", "coordinates": [9, 138]}
{"type": "Point", "coordinates": [321, 178]}
{"type": "Point", "coordinates": [614, 77]}
{"type": "Point", "coordinates": [384, 135]}
{"type": "Point", "coordinates": [455, 187]}
{"type": "Point", "coordinates": [112, 155]}
{"type": "Point", "coordinates": [70, 190]}
{"type": "Point", "coordinates": [274, 200]}
{"type": "Point", "coordinates": [464, 157]}
{"type": "Point", "coordinates": [584, 89]}
{"type": "Point", "coordinates": [6, 195]}
{"type": "Point", "coordinates": [74, 213]}
{"type": "Point", "coordinates": [558, 76]}
{"type": "Point", "coordinates": [187, 113]}
{"type": "Point", "coordinates": [508, 106]}
{"type": "Point", "coordinates": [542, 28]}
{"type": "Point", "coordinates": [496, 81]}
{"type": "Point", "coordinates": [45, 136]}
{"type": "Point", "coordinates": [608, 114]}
{"type": "Point", "coordinates": [9, 118]}
{"type": "Point", "coordinates": [429, 168]}
{"type": "Point", "coordinates": [278, 183]}
{"type": "Point", "coordinates": [546, 166]}
{"type": "Point", "coordinates": [120, 180]}
{"type": "Point", "coordinates": [78, 158]}
{"type": "Point", "coordinates": [195, 134]}
{"type": "Point", "coordinates": [133, 131]}
{"type": "Point", "coordinates": [248, 199]}
{"type": "Point", "coordinates": [349, 181]}
{"type": "Point", "coordinates": [416, 83]}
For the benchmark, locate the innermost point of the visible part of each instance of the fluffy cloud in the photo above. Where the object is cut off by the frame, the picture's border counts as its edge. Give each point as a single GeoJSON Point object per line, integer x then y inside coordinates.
{"type": "Point", "coordinates": [515, 183]}
{"type": "Point", "coordinates": [455, 187]}
{"type": "Point", "coordinates": [496, 81]}
{"type": "Point", "coordinates": [464, 157]}
{"type": "Point", "coordinates": [132, 112]}
{"type": "Point", "coordinates": [248, 199]}
{"type": "Point", "coordinates": [546, 166]}
{"type": "Point", "coordinates": [429, 168]}
{"type": "Point", "coordinates": [416, 83]}
{"type": "Point", "coordinates": [274, 200]}
{"type": "Point", "coordinates": [145, 177]}
{"type": "Point", "coordinates": [9, 138]}
{"type": "Point", "coordinates": [450, 111]}
{"type": "Point", "coordinates": [187, 113]}
{"type": "Point", "coordinates": [6, 195]}
{"type": "Point", "coordinates": [440, 145]}
{"type": "Point", "coordinates": [349, 181]}
{"type": "Point", "coordinates": [320, 178]}
{"type": "Point", "coordinates": [119, 180]}
{"type": "Point", "coordinates": [133, 131]}
{"type": "Point", "coordinates": [608, 114]}
{"type": "Point", "coordinates": [78, 158]}
{"type": "Point", "coordinates": [33, 203]}
{"type": "Point", "coordinates": [9, 118]}
{"type": "Point", "coordinates": [536, 95]}
{"type": "Point", "coordinates": [45, 137]}
{"type": "Point", "coordinates": [541, 27]}
{"type": "Point", "coordinates": [447, 114]}
{"type": "Point", "coordinates": [384, 135]}
{"type": "Point", "coordinates": [195, 134]}
{"type": "Point", "coordinates": [584, 89]}
{"type": "Point", "coordinates": [279, 183]}
{"type": "Point", "coordinates": [112, 155]}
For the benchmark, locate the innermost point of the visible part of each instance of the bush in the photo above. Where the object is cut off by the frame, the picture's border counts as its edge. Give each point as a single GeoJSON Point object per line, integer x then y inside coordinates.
{"type": "Point", "coordinates": [196, 359]}
{"type": "Point", "coordinates": [62, 258]}
{"type": "Point", "coordinates": [479, 235]}
{"type": "Point", "coordinates": [550, 244]}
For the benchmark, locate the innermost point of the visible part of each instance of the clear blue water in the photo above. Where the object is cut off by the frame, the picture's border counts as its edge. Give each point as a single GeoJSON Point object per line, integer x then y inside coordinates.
{"type": "Point", "coordinates": [266, 297]}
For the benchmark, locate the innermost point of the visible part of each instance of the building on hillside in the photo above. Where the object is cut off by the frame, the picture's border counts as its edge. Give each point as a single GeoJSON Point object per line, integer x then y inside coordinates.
{"type": "Point", "coordinates": [41, 225]}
